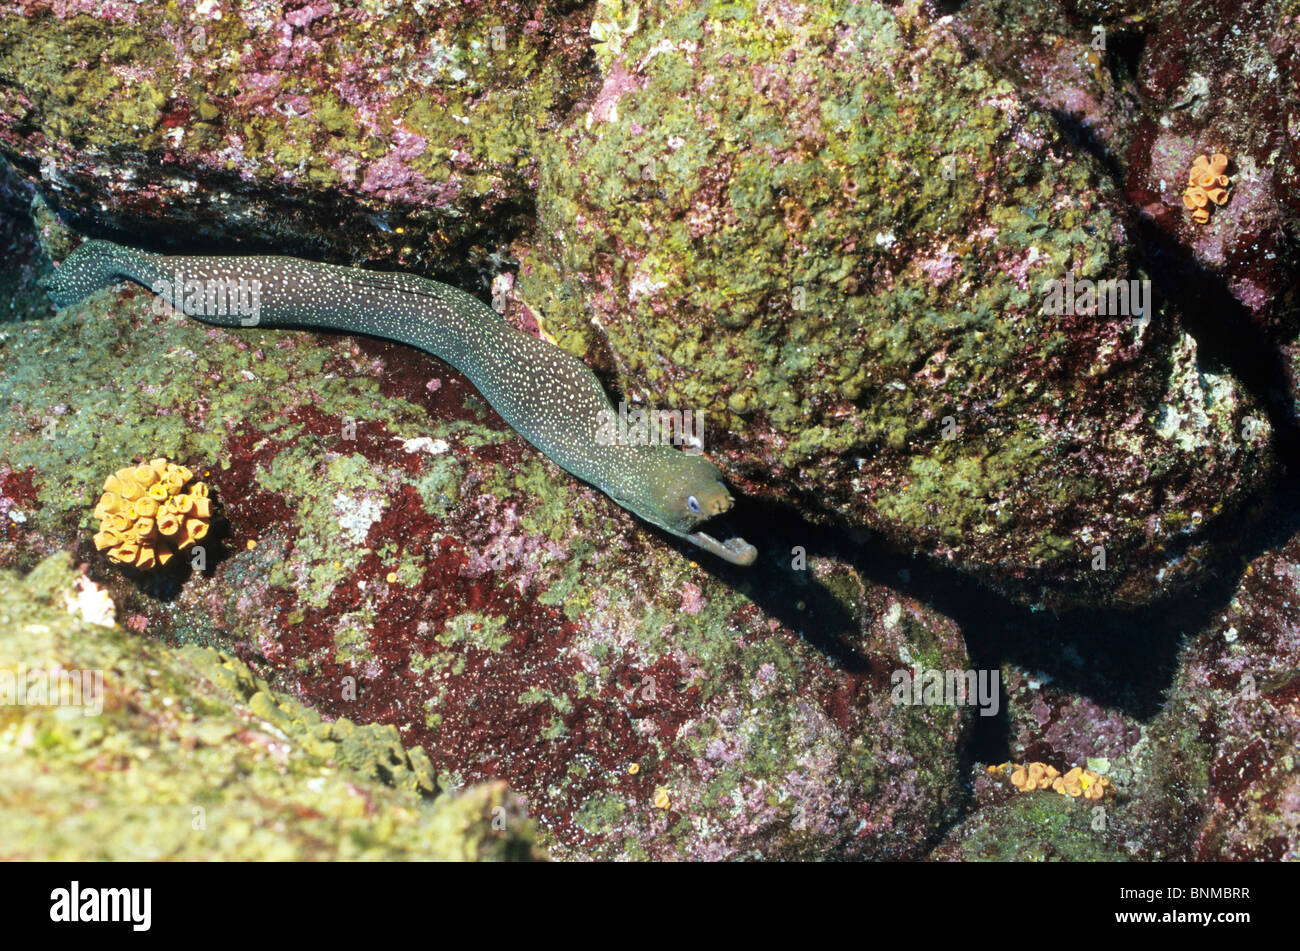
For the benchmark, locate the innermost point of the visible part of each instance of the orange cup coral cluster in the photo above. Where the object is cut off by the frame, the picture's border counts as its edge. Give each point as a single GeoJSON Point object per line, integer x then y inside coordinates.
{"type": "Point", "coordinates": [1077, 782]}
{"type": "Point", "coordinates": [1081, 782]}
{"type": "Point", "coordinates": [149, 513]}
{"type": "Point", "coordinates": [1207, 184]}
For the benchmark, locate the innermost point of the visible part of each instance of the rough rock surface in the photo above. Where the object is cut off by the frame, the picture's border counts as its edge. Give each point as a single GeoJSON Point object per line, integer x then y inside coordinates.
{"type": "Point", "coordinates": [1177, 79]}
{"type": "Point", "coordinates": [1226, 77]}
{"type": "Point", "coordinates": [852, 294]}
{"type": "Point", "coordinates": [1074, 59]}
{"type": "Point", "coordinates": [1196, 723]}
{"type": "Point", "coordinates": [830, 229]}
{"type": "Point", "coordinates": [141, 752]}
{"type": "Point", "coordinates": [394, 554]}
{"type": "Point", "coordinates": [350, 129]}
{"type": "Point", "coordinates": [1039, 826]}
{"type": "Point", "coordinates": [1222, 764]}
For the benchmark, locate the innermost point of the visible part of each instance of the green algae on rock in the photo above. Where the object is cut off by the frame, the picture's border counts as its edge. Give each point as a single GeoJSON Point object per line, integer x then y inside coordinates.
{"type": "Point", "coordinates": [185, 754]}
{"type": "Point", "coordinates": [417, 124]}
{"type": "Point", "coordinates": [833, 230]}
{"type": "Point", "coordinates": [1030, 827]}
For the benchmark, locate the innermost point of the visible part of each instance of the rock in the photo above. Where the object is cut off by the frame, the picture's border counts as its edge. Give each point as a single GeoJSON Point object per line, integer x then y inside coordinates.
{"type": "Point", "coordinates": [114, 747]}
{"type": "Point", "coordinates": [1220, 769]}
{"type": "Point", "coordinates": [1037, 826]}
{"type": "Point", "coordinates": [372, 131]}
{"type": "Point", "coordinates": [1055, 724]}
{"type": "Point", "coordinates": [1189, 709]}
{"type": "Point", "coordinates": [1174, 81]}
{"type": "Point", "coordinates": [1073, 59]}
{"type": "Point", "coordinates": [393, 554]}
{"type": "Point", "coordinates": [831, 232]}
{"type": "Point", "coordinates": [1218, 77]}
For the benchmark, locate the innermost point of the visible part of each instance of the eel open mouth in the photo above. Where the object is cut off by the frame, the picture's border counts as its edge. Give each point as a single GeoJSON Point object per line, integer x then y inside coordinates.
{"type": "Point", "coordinates": [735, 549]}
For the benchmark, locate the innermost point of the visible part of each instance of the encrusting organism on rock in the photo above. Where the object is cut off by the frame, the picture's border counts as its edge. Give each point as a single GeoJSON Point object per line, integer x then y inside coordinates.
{"type": "Point", "coordinates": [150, 512]}
{"type": "Point", "coordinates": [1075, 783]}
{"type": "Point", "coordinates": [1081, 782]}
{"type": "Point", "coordinates": [1207, 183]}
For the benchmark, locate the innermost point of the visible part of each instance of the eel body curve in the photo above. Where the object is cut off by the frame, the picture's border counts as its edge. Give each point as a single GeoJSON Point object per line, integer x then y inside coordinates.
{"type": "Point", "coordinates": [547, 395]}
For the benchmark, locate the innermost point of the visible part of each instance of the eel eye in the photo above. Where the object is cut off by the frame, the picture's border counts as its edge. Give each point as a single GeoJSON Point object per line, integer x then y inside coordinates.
{"type": "Point", "coordinates": [693, 504]}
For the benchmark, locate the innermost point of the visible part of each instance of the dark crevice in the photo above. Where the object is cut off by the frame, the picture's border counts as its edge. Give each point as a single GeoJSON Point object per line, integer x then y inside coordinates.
{"type": "Point", "coordinates": [1124, 55]}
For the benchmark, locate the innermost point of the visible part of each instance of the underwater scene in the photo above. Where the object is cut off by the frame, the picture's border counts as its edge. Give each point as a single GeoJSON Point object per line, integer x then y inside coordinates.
{"type": "Point", "coordinates": [607, 430]}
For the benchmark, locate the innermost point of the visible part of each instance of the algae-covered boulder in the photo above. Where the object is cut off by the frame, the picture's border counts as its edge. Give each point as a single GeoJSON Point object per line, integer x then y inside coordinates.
{"type": "Point", "coordinates": [1221, 771]}
{"type": "Point", "coordinates": [114, 747]}
{"type": "Point", "coordinates": [1040, 826]}
{"type": "Point", "coordinates": [833, 233]}
{"type": "Point", "coordinates": [389, 552]}
{"type": "Point", "coordinates": [1216, 75]}
{"type": "Point", "coordinates": [387, 130]}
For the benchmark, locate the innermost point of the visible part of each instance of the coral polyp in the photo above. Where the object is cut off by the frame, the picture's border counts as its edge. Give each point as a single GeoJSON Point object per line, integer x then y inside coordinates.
{"type": "Point", "coordinates": [151, 512]}
{"type": "Point", "coordinates": [1207, 184]}
{"type": "Point", "coordinates": [1075, 783]}
{"type": "Point", "coordinates": [1081, 782]}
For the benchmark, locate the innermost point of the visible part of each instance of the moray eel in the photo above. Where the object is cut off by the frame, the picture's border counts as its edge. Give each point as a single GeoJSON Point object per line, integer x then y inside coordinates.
{"type": "Point", "coordinates": [547, 395]}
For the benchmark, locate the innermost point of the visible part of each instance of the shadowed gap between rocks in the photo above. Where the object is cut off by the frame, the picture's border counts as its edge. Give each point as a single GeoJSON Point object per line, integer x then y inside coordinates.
{"type": "Point", "coordinates": [1119, 670]}
{"type": "Point", "coordinates": [1121, 658]}
{"type": "Point", "coordinates": [454, 261]}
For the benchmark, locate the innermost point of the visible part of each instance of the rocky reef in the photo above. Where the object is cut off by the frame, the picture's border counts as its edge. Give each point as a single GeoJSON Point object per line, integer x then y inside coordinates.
{"type": "Point", "coordinates": [417, 127]}
{"type": "Point", "coordinates": [393, 554]}
{"type": "Point", "coordinates": [1144, 86]}
{"type": "Point", "coordinates": [113, 747]}
{"type": "Point", "coordinates": [854, 238]}
{"type": "Point", "coordinates": [1197, 726]}
{"type": "Point", "coordinates": [905, 207]}
{"type": "Point", "coordinates": [834, 230]}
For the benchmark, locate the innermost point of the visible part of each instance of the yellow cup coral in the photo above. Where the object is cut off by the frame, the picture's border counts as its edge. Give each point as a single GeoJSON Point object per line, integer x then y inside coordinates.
{"type": "Point", "coordinates": [1077, 782]}
{"type": "Point", "coordinates": [1207, 184]}
{"type": "Point", "coordinates": [1034, 776]}
{"type": "Point", "coordinates": [1081, 782]}
{"type": "Point", "coordinates": [149, 513]}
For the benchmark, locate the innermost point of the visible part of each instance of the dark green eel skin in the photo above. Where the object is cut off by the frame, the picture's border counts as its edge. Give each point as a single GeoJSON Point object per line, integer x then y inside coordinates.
{"type": "Point", "coordinates": [549, 396]}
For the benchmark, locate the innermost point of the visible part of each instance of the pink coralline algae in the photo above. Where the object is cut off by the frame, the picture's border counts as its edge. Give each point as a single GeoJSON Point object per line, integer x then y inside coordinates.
{"type": "Point", "coordinates": [125, 11]}
{"type": "Point", "coordinates": [391, 177]}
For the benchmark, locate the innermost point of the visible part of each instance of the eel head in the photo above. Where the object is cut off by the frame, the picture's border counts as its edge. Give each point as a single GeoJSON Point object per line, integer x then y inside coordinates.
{"type": "Point", "coordinates": [687, 491]}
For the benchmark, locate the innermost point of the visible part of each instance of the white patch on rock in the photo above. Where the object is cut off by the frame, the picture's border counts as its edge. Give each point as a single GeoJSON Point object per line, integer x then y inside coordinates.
{"type": "Point", "coordinates": [91, 603]}
{"type": "Point", "coordinates": [356, 516]}
{"type": "Point", "coordinates": [891, 620]}
{"type": "Point", "coordinates": [643, 285]}
{"type": "Point", "coordinates": [434, 447]}
{"type": "Point", "coordinates": [1199, 406]}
